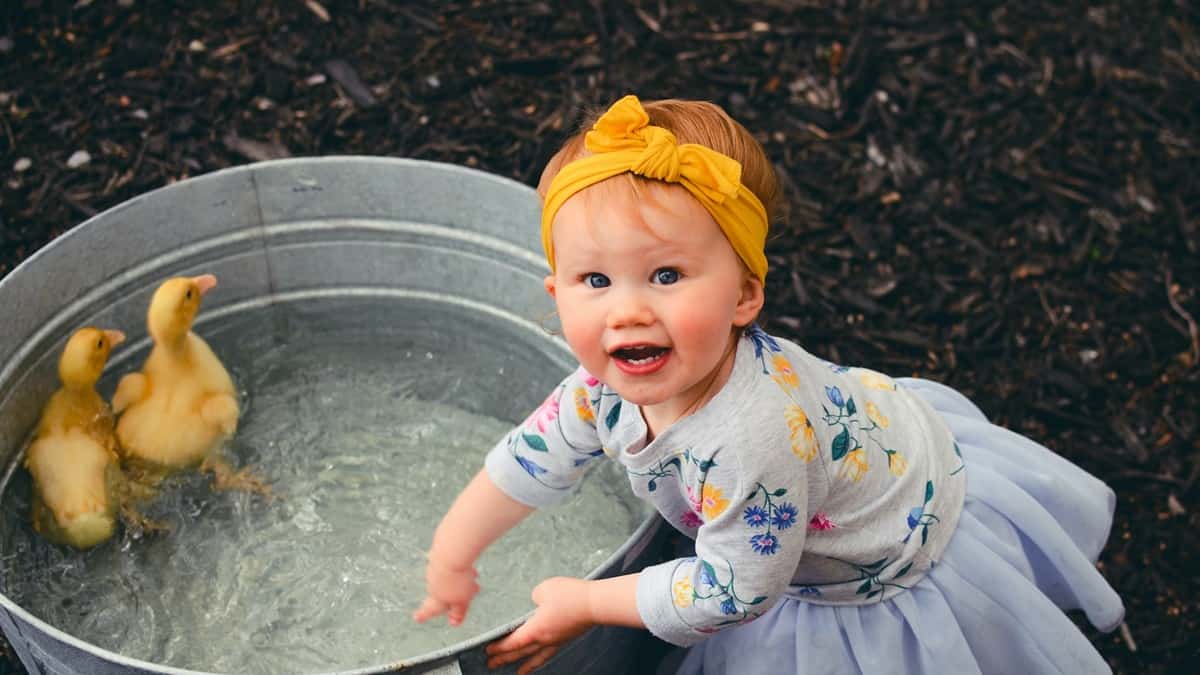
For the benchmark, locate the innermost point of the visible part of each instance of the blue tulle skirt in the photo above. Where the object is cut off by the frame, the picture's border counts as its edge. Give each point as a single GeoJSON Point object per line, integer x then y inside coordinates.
{"type": "Point", "coordinates": [1032, 527]}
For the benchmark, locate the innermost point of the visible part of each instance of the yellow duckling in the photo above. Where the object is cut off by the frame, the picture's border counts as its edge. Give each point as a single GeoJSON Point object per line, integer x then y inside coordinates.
{"type": "Point", "coordinates": [73, 458]}
{"type": "Point", "coordinates": [182, 407]}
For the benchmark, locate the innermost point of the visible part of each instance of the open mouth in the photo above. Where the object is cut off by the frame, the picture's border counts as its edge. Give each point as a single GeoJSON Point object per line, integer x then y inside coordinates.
{"type": "Point", "coordinates": [640, 355]}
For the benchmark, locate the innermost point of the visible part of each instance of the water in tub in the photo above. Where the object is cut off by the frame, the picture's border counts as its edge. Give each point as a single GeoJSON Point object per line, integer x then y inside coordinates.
{"type": "Point", "coordinates": [366, 438]}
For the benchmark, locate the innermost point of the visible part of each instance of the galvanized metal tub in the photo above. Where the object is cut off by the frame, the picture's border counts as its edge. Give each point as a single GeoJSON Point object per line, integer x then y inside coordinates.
{"type": "Point", "coordinates": [296, 231]}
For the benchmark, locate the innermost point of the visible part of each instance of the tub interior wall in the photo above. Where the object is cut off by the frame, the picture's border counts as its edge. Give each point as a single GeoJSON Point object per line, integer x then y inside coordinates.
{"type": "Point", "coordinates": [279, 232]}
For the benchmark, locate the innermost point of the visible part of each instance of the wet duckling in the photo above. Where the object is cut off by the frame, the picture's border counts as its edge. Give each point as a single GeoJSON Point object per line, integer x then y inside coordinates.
{"type": "Point", "coordinates": [178, 412]}
{"type": "Point", "coordinates": [77, 481]}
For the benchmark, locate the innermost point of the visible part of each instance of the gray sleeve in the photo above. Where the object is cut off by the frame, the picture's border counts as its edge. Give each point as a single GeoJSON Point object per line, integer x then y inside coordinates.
{"type": "Point", "coordinates": [753, 502]}
{"type": "Point", "coordinates": [541, 460]}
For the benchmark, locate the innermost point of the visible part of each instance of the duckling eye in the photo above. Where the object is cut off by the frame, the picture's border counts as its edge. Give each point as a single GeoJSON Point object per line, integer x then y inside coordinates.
{"type": "Point", "coordinates": [189, 294]}
{"type": "Point", "coordinates": [100, 343]}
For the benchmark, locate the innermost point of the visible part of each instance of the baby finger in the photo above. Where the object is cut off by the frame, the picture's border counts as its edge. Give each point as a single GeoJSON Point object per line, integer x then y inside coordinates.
{"type": "Point", "coordinates": [499, 656]}
{"type": "Point", "coordinates": [429, 609]}
{"type": "Point", "coordinates": [537, 660]}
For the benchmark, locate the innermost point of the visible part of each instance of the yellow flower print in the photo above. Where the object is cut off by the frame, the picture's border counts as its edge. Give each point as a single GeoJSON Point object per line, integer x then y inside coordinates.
{"type": "Point", "coordinates": [683, 593]}
{"type": "Point", "coordinates": [874, 380]}
{"type": "Point", "coordinates": [784, 375]}
{"type": "Point", "coordinates": [804, 438]}
{"type": "Point", "coordinates": [897, 464]}
{"type": "Point", "coordinates": [712, 502]}
{"type": "Point", "coordinates": [854, 465]}
{"type": "Point", "coordinates": [583, 407]}
{"type": "Point", "coordinates": [876, 416]}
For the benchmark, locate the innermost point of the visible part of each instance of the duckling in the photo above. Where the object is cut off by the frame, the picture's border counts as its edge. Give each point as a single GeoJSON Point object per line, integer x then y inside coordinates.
{"type": "Point", "coordinates": [77, 480]}
{"type": "Point", "coordinates": [178, 412]}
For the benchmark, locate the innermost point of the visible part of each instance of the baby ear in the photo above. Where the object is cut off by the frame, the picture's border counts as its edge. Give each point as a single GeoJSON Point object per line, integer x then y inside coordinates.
{"type": "Point", "coordinates": [548, 282]}
{"type": "Point", "coordinates": [750, 303]}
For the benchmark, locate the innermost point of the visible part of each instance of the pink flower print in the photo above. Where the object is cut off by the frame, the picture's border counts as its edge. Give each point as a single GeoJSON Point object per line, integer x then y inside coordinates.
{"type": "Point", "coordinates": [545, 414]}
{"type": "Point", "coordinates": [588, 379]}
{"type": "Point", "coordinates": [820, 522]}
{"type": "Point", "coordinates": [690, 519]}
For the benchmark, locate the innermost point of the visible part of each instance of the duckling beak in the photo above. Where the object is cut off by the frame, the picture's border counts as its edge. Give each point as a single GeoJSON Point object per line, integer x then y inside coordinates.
{"type": "Point", "coordinates": [115, 337]}
{"type": "Point", "coordinates": [205, 282]}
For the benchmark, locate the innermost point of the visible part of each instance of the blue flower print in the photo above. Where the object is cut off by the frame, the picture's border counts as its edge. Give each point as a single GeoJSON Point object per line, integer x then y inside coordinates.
{"type": "Point", "coordinates": [914, 516]}
{"type": "Point", "coordinates": [771, 515]}
{"type": "Point", "coordinates": [765, 544]}
{"type": "Point", "coordinates": [918, 518]}
{"type": "Point", "coordinates": [529, 466]}
{"type": "Point", "coordinates": [762, 341]}
{"type": "Point", "coordinates": [755, 516]}
{"type": "Point", "coordinates": [763, 344]}
{"type": "Point", "coordinates": [710, 590]}
{"type": "Point", "coordinates": [810, 592]}
{"type": "Point", "coordinates": [835, 396]}
{"type": "Point", "coordinates": [784, 516]}
{"type": "Point", "coordinates": [588, 458]}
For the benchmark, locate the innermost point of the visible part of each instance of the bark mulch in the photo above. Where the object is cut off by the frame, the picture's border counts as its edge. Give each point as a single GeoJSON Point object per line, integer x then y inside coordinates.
{"type": "Point", "coordinates": [999, 195]}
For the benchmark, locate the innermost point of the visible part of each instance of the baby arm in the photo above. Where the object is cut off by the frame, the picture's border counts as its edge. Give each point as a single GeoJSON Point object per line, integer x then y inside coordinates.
{"type": "Point", "coordinates": [753, 506]}
{"type": "Point", "coordinates": [479, 516]}
{"type": "Point", "coordinates": [536, 464]}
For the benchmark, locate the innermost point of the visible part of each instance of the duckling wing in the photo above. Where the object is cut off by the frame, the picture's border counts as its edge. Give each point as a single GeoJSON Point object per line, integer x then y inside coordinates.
{"type": "Point", "coordinates": [221, 411]}
{"type": "Point", "coordinates": [130, 389]}
{"type": "Point", "coordinates": [69, 473]}
{"type": "Point", "coordinates": [168, 428]}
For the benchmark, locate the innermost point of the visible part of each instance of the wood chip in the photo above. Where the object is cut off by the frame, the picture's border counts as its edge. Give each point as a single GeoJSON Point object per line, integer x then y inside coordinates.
{"type": "Point", "coordinates": [254, 150]}
{"type": "Point", "coordinates": [318, 9]}
{"type": "Point", "coordinates": [1174, 506]}
{"type": "Point", "coordinates": [345, 74]}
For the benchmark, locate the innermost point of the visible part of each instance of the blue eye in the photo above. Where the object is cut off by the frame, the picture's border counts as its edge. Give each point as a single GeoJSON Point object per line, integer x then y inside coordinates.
{"type": "Point", "coordinates": [666, 276]}
{"type": "Point", "coordinates": [596, 280]}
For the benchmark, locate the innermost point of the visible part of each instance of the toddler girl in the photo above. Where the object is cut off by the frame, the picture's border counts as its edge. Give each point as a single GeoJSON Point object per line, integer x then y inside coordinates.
{"type": "Point", "coordinates": [844, 521]}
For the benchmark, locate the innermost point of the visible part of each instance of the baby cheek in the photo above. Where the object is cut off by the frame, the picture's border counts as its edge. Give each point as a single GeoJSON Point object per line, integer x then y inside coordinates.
{"type": "Point", "coordinates": [702, 319]}
{"type": "Point", "coordinates": [584, 339]}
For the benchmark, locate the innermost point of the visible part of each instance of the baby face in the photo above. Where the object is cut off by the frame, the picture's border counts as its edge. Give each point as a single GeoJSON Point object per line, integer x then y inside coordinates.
{"type": "Point", "coordinates": [649, 292]}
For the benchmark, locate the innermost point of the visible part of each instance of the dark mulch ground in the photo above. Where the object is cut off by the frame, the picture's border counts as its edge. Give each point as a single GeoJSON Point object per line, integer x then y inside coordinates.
{"type": "Point", "coordinates": [1001, 195]}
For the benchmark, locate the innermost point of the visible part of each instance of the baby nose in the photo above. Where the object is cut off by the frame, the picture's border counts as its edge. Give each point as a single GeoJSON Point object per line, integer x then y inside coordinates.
{"type": "Point", "coordinates": [629, 309]}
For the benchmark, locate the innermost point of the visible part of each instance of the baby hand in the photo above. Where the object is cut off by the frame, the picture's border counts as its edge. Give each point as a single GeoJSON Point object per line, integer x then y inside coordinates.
{"type": "Point", "coordinates": [448, 590]}
{"type": "Point", "coordinates": [562, 614]}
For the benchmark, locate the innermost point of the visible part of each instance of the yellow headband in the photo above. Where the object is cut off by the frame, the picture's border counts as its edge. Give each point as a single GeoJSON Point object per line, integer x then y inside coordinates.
{"type": "Point", "coordinates": [623, 140]}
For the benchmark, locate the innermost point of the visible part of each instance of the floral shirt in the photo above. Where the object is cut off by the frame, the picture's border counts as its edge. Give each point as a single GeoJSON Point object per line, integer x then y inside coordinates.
{"type": "Point", "coordinates": [800, 477]}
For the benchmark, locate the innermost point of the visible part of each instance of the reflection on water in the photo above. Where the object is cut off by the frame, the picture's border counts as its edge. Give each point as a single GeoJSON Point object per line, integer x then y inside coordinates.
{"type": "Point", "coordinates": [366, 437]}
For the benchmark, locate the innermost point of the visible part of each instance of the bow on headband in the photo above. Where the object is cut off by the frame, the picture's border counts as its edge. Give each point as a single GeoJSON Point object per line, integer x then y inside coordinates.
{"type": "Point", "coordinates": [623, 140]}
